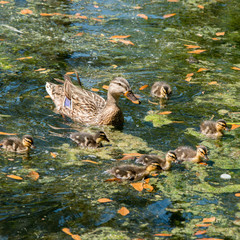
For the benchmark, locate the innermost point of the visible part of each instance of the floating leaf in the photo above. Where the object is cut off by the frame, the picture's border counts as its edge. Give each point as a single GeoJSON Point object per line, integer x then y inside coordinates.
{"type": "Point", "coordinates": [202, 69]}
{"type": "Point", "coordinates": [3, 2]}
{"type": "Point", "coordinates": [126, 42]}
{"type": "Point", "coordinates": [96, 19]}
{"type": "Point", "coordinates": [114, 66]}
{"type": "Point", "coordinates": [165, 113]}
{"type": "Point", "coordinates": [189, 75]}
{"type": "Point", "coordinates": [33, 175]}
{"type": "Point", "coordinates": [130, 156]}
{"type": "Point", "coordinates": [26, 11]}
{"type": "Point", "coordinates": [70, 73]}
{"type": "Point", "coordinates": [143, 87]}
{"type": "Point", "coordinates": [169, 15]}
{"type": "Point", "coordinates": [119, 36]}
{"type": "Point", "coordinates": [191, 46]}
{"type": "Point", "coordinates": [236, 68]}
{"type": "Point", "coordinates": [137, 7]}
{"type": "Point", "coordinates": [105, 87]}
{"type": "Point", "coordinates": [188, 79]}
{"type": "Point", "coordinates": [79, 34]}
{"type": "Point", "coordinates": [76, 237]}
{"type": "Point", "coordinates": [155, 103]}
{"type": "Point", "coordinates": [40, 69]}
{"type": "Point", "coordinates": [234, 126]}
{"type": "Point", "coordinates": [148, 187]}
{"type": "Point", "coordinates": [96, 6]}
{"type": "Point", "coordinates": [143, 16]}
{"type": "Point", "coordinates": [163, 234]}
{"type": "Point", "coordinates": [90, 161]}
{"type": "Point", "coordinates": [212, 219]}
{"type": "Point", "coordinates": [104, 200]}
{"type": "Point", "coordinates": [113, 180]}
{"type": "Point", "coordinates": [203, 163]}
{"type": "Point", "coordinates": [203, 225]}
{"type": "Point", "coordinates": [201, 6]}
{"type": "Point", "coordinates": [53, 154]}
{"type": "Point", "coordinates": [23, 58]}
{"type": "Point", "coordinates": [138, 186]}
{"type": "Point", "coordinates": [123, 211]}
{"type": "Point", "coordinates": [100, 16]}
{"type": "Point", "coordinates": [215, 39]}
{"type": "Point", "coordinates": [47, 96]}
{"type": "Point", "coordinates": [173, 0]}
{"type": "Point", "coordinates": [50, 14]}
{"type": "Point", "coordinates": [220, 33]}
{"type": "Point", "coordinates": [147, 180]}
{"type": "Point", "coordinates": [14, 177]}
{"type": "Point", "coordinates": [67, 231]}
{"type": "Point", "coordinates": [4, 133]}
{"type": "Point", "coordinates": [213, 83]}
{"type": "Point", "coordinates": [198, 51]}
{"type": "Point", "coordinates": [209, 239]}
{"type": "Point", "coordinates": [95, 89]}
{"type": "Point", "coordinates": [200, 232]}
{"type": "Point", "coordinates": [237, 194]}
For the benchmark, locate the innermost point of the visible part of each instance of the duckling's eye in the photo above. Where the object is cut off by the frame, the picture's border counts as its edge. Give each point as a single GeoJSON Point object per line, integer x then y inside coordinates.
{"type": "Point", "coordinates": [28, 140]}
{"type": "Point", "coordinates": [203, 153]}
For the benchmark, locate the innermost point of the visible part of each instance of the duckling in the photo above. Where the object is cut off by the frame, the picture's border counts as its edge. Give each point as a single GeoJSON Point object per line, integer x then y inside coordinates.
{"type": "Point", "coordinates": [213, 129]}
{"type": "Point", "coordinates": [88, 140]}
{"type": "Point", "coordinates": [161, 90]}
{"type": "Point", "coordinates": [132, 172]}
{"type": "Point", "coordinates": [164, 164]}
{"type": "Point", "coordinates": [14, 144]}
{"type": "Point", "coordinates": [186, 153]}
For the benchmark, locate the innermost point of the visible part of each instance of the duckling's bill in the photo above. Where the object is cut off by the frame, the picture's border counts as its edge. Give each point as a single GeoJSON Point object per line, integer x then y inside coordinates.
{"type": "Point", "coordinates": [129, 95]}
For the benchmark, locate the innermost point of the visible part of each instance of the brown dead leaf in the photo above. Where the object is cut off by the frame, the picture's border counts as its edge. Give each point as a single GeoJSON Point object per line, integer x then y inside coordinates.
{"type": "Point", "coordinates": [143, 16]}
{"type": "Point", "coordinates": [53, 154]}
{"type": "Point", "coordinates": [198, 51]}
{"type": "Point", "coordinates": [4, 133]}
{"type": "Point", "coordinates": [26, 11]}
{"type": "Point", "coordinates": [220, 33]}
{"type": "Point", "coordinates": [113, 180]}
{"type": "Point", "coordinates": [211, 219]}
{"type": "Point", "coordinates": [95, 89]}
{"type": "Point", "coordinates": [123, 211]}
{"type": "Point", "coordinates": [163, 234]}
{"type": "Point", "coordinates": [3, 2]}
{"type": "Point", "coordinates": [76, 237]}
{"type": "Point", "coordinates": [79, 34]}
{"type": "Point", "coordinates": [23, 58]}
{"type": "Point", "coordinates": [203, 225]}
{"type": "Point", "coordinates": [14, 177]}
{"type": "Point", "coordinates": [67, 231]}
{"type": "Point", "coordinates": [90, 161]}
{"type": "Point", "coordinates": [69, 73]}
{"type": "Point", "coordinates": [215, 39]}
{"type": "Point", "coordinates": [201, 6]}
{"type": "Point", "coordinates": [213, 83]}
{"type": "Point", "coordinates": [237, 194]}
{"type": "Point", "coordinates": [120, 36]}
{"type": "Point", "coordinates": [191, 46]}
{"type": "Point", "coordinates": [47, 96]}
{"type": "Point", "coordinates": [165, 113]}
{"type": "Point", "coordinates": [143, 87]}
{"type": "Point", "coordinates": [202, 69]}
{"type": "Point", "coordinates": [148, 187]}
{"type": "Point", "coordinates": [104, 200]}
{"type": "Point", "coordinates": [105, 87]}
{"type": "Point", "coordinates": [138, 186]}
{"type": "Point", "coordinates": [155, 103]}
{"type": "Point", "coordinates": [200, 232]}
{"type": "Point", "coordinates": [40, 69]}
{"type": "Point", "coordinates": [234, 126]}
{"type": "Point", "coordinates": [33, 175]}
{"type": "Point", "coordinates": [169, 15]}
{"type": "Point", "coordinates": [236, 68]}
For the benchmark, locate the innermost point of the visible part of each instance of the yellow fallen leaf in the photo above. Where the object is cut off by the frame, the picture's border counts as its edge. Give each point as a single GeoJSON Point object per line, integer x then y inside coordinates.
{"type": "Point", "coordinates": [137, 7]}
{"type": "Point", "coordinates": [123, 211]}
{"type": "Point", "coordinates": [148, 187]}
{"type": "Point", "coordinates": [26, 11]}
{"type": "Point", "coordinates": [40, 69]}
{"type": "Point", "coordinates": [163, 234]}
{"type": "Point", "coordinates": [237, 194]}
{"type": "Point", "coordinates": [201, 6]}
{"type": "Point", "coordinates": [113, 180]}
{"type": "Point", "coordinates": [96, 6]}
{"type": "Point", "coordinates": [198, 51]}
{"type": "Point", "coordinates": [213, 83]}
{"type": "Point", "coordinates": [165, 113]}
{"type": "Point", "coordinates": [169, 15]}
{"type": "Point", "coordinates": [90, 161]}
{"type": "Point", "coordinates": [220, 33]}
{"type": "Point", "coordinates": [202, 69]}
{"type": "Point", "coordinates": [143, 87]}
{"type": "Point", "coordinates": [76, 237]}
{"type": "Point", "coordinates": [189, 75]}
{"type": "Point", "coordinates": [53, 154]}
{"type": "Point", "coordinates": [236, 68]}
{"type": "Point", "coordinates": [138, 186]}
{"type": "Point", "coordinates": [200, 232]}
{"type": "Point", "coordinates": [70, 73]}
{"type": "Point", "coordinates": [192, 46]}
{"type": "Point", "coordinates": [173, 0]}
{"type": "Point", "coordinates": [215, 39]}
{"type": "Point", "coordinates": [155, 103]}
{"type": "Point", "coordinates": [67, 231]}
{"type": "Point", "coordinates": [114, 66]}
{"type": "Point", "coordinates": [211, 219]}
{"type": "Point", "coordinates": [79, 34]}
{"type": "Point", "coordinates": [203, 225]}
{"type": "Point", "coordinates": [47, 96]}
{"type": "Point", "coordinates": [96, 19]}
{"type": "Point", "coordinates": [23, 58]}
{"type": "Point", "coordinates": [100, 16]}
{"type": "Point", "coordinates": [120, 36]}
{"type": "Point", "coordinates": [33, 175]}
{"type": "Point", "coordinates": [14, 177]}
{"type": "Point", "coordinates": [95, 89]}
{"type": "Point", "coordinates": [234, 126]}
{"type": "Point", "coordinates": [104, 200]}
{"type": "Point", "coordinates": [126, 42]}
{"type": "Point", "coordinates": [4, 133]}
{"type": "Point", "coordinates": [3, 2]}
{"type": "Point", "coordinates": [105, 87]}
{"type": "Point", "coordinates": [143, 16]}
{"type": "Point", "coordinates": [188, 79]}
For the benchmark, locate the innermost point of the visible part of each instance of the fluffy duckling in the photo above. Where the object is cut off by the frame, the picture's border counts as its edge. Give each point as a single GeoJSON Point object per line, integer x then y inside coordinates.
{"type": "Point", "coordinates": [14, 144]}
{"type": "Point", "coordinates": [88, 140]}
{"type": "Point", "coordinates": [186, 153]}
{"type": "Point", "coordinates": [161, 90]}
{"type": "Point", "coordinates": [213, 129]}
{"type": "Point", "coordinates": [164, 164]}
{"type": "Point", "coordinates": [132, 172]}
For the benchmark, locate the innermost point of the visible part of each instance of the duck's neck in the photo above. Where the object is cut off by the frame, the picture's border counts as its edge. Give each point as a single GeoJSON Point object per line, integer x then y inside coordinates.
{"type": "Point", "coordinates": [112, 99]}
{"type": "Point", "coordinates": [167, 165]}
{"type": "Point", "coordinates": [196, 159]}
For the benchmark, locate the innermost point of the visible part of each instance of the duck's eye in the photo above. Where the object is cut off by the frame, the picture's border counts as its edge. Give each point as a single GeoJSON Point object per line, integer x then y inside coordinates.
{"type": "Point", "coordinates": [203, 153]}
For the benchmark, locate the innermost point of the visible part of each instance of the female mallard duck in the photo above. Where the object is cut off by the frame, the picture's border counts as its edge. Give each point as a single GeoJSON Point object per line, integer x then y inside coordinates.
{"type": "Point", "coordinates": [132, 172]}
{"type": "Point", "coordinates": [88, 140]}
{"type": "Point", "coordinates": [186, 153]}
{"type": "Point", "coordinates": [164, 164]}
{"type": "Point", "coordinates": [87, 107]}
{"type": "Point", "coordinates": [213, 129]}
{"type": "Point", "coordinates": [14, 144]}
{"type": "Point", "coordinates": [161, 90]}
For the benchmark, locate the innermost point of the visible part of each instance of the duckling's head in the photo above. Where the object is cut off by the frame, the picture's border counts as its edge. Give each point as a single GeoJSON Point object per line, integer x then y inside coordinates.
{"type": "Point", "coordinates": [119, 86]}
{"type": "Point", "coordinates": [202, 152]}
{"type": "Point", "coordinates": [27, 141]}
{"type": "Point", "coordinates": [171, 156]}
{"type": "Point", "coordinates": [165, 92]}
{"type": "Point", "coordinates": [101, 136]}
{"type": "Point", "coordinates": [153, 166]}
{"type": "Point", "coordinates": [221, 125]}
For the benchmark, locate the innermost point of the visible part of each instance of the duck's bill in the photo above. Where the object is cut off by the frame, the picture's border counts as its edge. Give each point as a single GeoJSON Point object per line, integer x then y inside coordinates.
{"type": "Point", "coordinates": [106, 139]}
{"type": "Point", "coordinates": [129, 95]}
{"type": "Point", "coordinates": [206, 157]}
{"type": "Point", "coordinates": [33, 147]}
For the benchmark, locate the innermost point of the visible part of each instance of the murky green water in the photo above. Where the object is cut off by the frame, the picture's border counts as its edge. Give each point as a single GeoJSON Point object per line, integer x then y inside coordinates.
{"type": "Point", "coordinates": [67, 191]}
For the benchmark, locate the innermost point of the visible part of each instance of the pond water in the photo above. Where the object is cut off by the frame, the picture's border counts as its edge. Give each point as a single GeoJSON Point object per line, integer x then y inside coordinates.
{"type": "Point", "coordinates": [56, 37]}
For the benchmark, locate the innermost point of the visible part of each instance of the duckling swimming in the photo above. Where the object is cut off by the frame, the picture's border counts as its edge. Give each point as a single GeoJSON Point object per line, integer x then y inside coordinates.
{"type": "Point", "coordinates": [164, 164]}
{"type": "Point", "coordinates": [14, 144]}
{"type": "Point", "coordinates": [88, 140]}
{"type": "Point", "coordinates": [132, 172]}
{"type": "Point", "coordinates": [186, 153]}
{"type": "Point", "coordinates": [213, 129]}
{"type": "Point", "coordinates": [161, 90]}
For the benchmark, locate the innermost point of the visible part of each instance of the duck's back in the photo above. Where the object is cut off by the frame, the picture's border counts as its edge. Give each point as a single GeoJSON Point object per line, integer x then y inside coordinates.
{"type": "Point", "coordinates": [12, 144]}
{"type": "Point", "coordinates": [148, 159]}
{"type": "Point", "coordinates": [208, 127]}
{"type": "Point", "coordinates": [185, 153]}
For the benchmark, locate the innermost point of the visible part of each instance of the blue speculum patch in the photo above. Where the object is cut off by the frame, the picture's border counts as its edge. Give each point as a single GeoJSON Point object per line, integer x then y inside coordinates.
{"type": "Point", "coordinates": [67, 103]}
